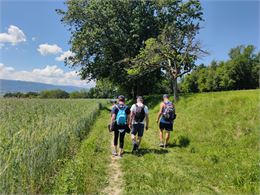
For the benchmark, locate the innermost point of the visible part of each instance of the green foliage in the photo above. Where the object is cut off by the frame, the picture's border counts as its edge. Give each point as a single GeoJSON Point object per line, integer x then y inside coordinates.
{"type": "Point", "coordinates": [175, 49]}
{"type": "Point", "coordinates": [239, 72]}
{"type": "Point", "coordinates": [36, 137]}
{"type": "Point", "coordinates": [107, 35]}
{"type": "Point", "coordinates": [21, 95]}
{"type": "Point", "coordinates": [54, 94]}
{"type": "Point", "coordinates": [214, 148]}
{"type": "Point", "coordinates": [79, 94]}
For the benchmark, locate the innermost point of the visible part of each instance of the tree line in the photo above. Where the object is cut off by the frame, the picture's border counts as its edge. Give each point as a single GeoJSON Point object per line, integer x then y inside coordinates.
{"type": "Point", "coordinates": [241, 71]}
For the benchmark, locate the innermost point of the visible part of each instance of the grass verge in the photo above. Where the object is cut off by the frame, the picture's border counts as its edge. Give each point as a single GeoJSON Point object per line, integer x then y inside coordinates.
{"type": "Point", "coordinates": [214, 148]}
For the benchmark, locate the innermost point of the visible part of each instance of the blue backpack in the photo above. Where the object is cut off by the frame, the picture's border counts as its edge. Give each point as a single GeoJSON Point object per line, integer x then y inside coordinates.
{"type": "Point", "coordinates": [121, 117]}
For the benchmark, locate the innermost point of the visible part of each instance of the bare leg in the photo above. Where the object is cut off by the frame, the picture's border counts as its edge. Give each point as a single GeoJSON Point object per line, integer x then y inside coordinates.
{"type": "Point", "coordinates": [161, 135]}
{"type": "Point", "coordinates": [167, 137]}
{"type": "Point", "coordinates": [121, 150]}
{"type": "Point", "coordinates": [133, 138]}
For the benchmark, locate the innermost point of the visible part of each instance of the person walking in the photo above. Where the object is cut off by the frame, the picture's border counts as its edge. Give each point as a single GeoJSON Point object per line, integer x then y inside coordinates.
{"type": "Point", "coordinates": [120, 119]}
{"type": "Point", "coordinates": [165, 118]}
{"type": "Point", "coordinates": [139, 113]}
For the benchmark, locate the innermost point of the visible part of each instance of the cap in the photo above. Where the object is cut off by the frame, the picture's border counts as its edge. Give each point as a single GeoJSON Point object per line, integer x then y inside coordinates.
{"type": "Point", "coordinates": [121, 98]}
{"type": "Point", "coordinates": [165, 96]}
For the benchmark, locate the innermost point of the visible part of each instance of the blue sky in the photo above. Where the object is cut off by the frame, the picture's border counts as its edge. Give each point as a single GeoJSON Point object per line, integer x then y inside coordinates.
{"type": "Point", "coordinates": [227, 24]}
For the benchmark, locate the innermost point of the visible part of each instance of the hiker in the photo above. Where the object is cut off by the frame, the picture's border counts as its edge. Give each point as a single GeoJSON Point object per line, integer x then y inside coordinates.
{"type": "Point", "coordinates": [139, 112]}
{"type": "Point", "coordinates": [121, 118]}
{"type": "Point", "coordinates": [165, 118]}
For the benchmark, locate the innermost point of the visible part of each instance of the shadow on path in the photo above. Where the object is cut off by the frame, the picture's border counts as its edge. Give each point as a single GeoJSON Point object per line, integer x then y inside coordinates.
{"type": "Point", "coordinates": [144, 151]}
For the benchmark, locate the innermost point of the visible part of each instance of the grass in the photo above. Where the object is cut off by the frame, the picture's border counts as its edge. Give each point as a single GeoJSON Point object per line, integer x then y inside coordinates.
{"type": "Point", "coordinates": [36, 138]}
{"type": "Point", "coordinates": [49, 146]}
{"type": "Point", "coordinates": [214, 148]}
{"type": "Point", "coordinates": [86, 173]}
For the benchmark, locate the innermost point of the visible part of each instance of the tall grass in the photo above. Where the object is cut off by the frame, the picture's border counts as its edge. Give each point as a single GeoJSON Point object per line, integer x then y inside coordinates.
{"type": "Point", "coordinates": [36, 136]}
{"type": "Point", "coordinates": [214, 148]}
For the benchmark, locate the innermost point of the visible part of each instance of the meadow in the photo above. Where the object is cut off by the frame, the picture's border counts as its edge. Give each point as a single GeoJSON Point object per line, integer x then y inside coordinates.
{"type": "Point", "coordinates": [52, 147]}
{"type": "Point", "coordinates": [37, 137]}
{"type": "Point", "coordinates": [214, 148]}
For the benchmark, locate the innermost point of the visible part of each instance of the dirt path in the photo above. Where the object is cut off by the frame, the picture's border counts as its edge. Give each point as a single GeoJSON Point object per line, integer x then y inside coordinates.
{"type": "Point", "coordinates": [115, 185]}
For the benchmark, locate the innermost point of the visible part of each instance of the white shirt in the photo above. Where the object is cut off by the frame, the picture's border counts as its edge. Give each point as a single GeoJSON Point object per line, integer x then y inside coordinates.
{"type": "Point", "coordinates": [133, 109]}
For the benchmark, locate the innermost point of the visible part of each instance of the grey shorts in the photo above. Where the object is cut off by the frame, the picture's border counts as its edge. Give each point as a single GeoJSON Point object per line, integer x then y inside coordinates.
{"type": "Point", "coordinates": [138, 129]}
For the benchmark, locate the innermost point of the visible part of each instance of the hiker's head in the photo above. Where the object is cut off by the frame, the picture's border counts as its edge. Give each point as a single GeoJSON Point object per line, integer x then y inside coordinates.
{"type": "Point", "coordinates": [165, 97]}
{"type": "Point", "coordinates": [121, 98]}
{"type": "Point", "coordinates": [140, 99]}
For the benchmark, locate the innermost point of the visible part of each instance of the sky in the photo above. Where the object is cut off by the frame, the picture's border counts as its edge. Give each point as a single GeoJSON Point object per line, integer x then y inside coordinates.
{"type": "Point", "coordinates": [33, 41]}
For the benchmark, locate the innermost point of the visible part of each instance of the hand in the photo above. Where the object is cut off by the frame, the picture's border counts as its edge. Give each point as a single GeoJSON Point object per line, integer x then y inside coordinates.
{"type": "Point", "coordinates": [157, 121]}
{"type": "Point", "coordinates": [146, 128]}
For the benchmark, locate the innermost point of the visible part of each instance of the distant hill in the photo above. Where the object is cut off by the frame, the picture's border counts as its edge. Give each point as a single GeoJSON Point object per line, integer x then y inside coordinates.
{"type": "Point", "coordinates": [26, 86]}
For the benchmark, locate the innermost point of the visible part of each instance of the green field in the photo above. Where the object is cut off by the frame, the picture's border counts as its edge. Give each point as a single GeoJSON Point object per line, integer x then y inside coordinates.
{"type": "Point", "coordinates": [214, 148]}
{"type": "Point", "coordinates": [36, 138]}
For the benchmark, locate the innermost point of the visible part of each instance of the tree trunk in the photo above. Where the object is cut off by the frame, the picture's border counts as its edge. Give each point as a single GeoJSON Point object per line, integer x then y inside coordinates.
{"type": "Point", "coordinates": [175, 90]}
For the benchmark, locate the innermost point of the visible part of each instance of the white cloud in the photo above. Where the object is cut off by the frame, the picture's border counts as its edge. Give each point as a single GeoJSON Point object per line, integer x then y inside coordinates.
{"type": "Point", "coordinates": [65, 55]}
{"type": "Point", "coordinates": [46, 49]}
{"type": "Point", "coordinates": [14, 35]}
{"type": "Point", "coordinates": [49, 74]}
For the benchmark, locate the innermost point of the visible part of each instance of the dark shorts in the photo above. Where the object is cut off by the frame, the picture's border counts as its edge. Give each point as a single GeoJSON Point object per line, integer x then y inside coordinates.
{"type": "Point", "coordinates": [166, 126]}
{"type": "Point", "coordinates": [138, 129]}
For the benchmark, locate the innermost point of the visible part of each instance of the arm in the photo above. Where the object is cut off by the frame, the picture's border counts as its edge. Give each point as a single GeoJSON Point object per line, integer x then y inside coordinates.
{"type": "Point", "coordinates": [128, 120]}
{"type": "Point", "coordinates": [113, 118]}
{"type": "Point", "coordinates": [147, 121]}
{"type": "Point", "coordinates": [131, 118]}
{"type": "Point", "coordinates": [159, 113]}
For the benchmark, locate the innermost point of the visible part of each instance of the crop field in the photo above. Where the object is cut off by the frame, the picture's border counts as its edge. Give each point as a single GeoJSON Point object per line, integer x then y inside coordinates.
{"type": "Point", "coordinates": [36, 138]}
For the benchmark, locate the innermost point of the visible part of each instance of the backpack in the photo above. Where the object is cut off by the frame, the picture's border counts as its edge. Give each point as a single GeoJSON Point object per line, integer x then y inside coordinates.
{"type": "Point", "coordinates": [169, 111]}
{"type": "Point", "coordinates": [121, 117]}
{"type": "Point", "coordinates": [139, 113]}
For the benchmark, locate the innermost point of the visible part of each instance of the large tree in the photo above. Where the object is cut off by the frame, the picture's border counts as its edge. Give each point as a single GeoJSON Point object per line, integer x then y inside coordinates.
{"type": "Point", "coordinates": [108, 35]}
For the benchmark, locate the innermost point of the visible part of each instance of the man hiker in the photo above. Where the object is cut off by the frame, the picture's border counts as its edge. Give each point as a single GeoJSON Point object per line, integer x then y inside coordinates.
{"type": "Point", "coordinates": [165, 118]}
{"type": "Point", "coordinates": [139, 112]}
{"type": "Point", "coordinates": [121, 118]}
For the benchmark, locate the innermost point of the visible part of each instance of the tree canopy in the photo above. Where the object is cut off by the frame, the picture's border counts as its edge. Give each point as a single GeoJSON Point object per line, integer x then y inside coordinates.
{"type": "Point", "coordinates": [109, 37]}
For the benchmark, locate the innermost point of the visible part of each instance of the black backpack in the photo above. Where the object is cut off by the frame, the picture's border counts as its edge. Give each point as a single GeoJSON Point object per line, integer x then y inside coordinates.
{"type": "Point", "coordinates": [139, 113]}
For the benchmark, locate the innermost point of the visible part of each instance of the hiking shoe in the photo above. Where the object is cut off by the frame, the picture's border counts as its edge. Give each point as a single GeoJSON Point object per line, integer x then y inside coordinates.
{"type": "Point", "coordinates": [114, 153]}
{"type": "Point", "coordinates": [165, 145]}
{"type": "Point", "coordinates": [120, 155]}
{"type": "Point", "coordinates": [161, 144]}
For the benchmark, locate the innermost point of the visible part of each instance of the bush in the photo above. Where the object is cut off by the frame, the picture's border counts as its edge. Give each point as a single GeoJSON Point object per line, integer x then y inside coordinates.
{"type": "Point", "coordinates": [54, 94]}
